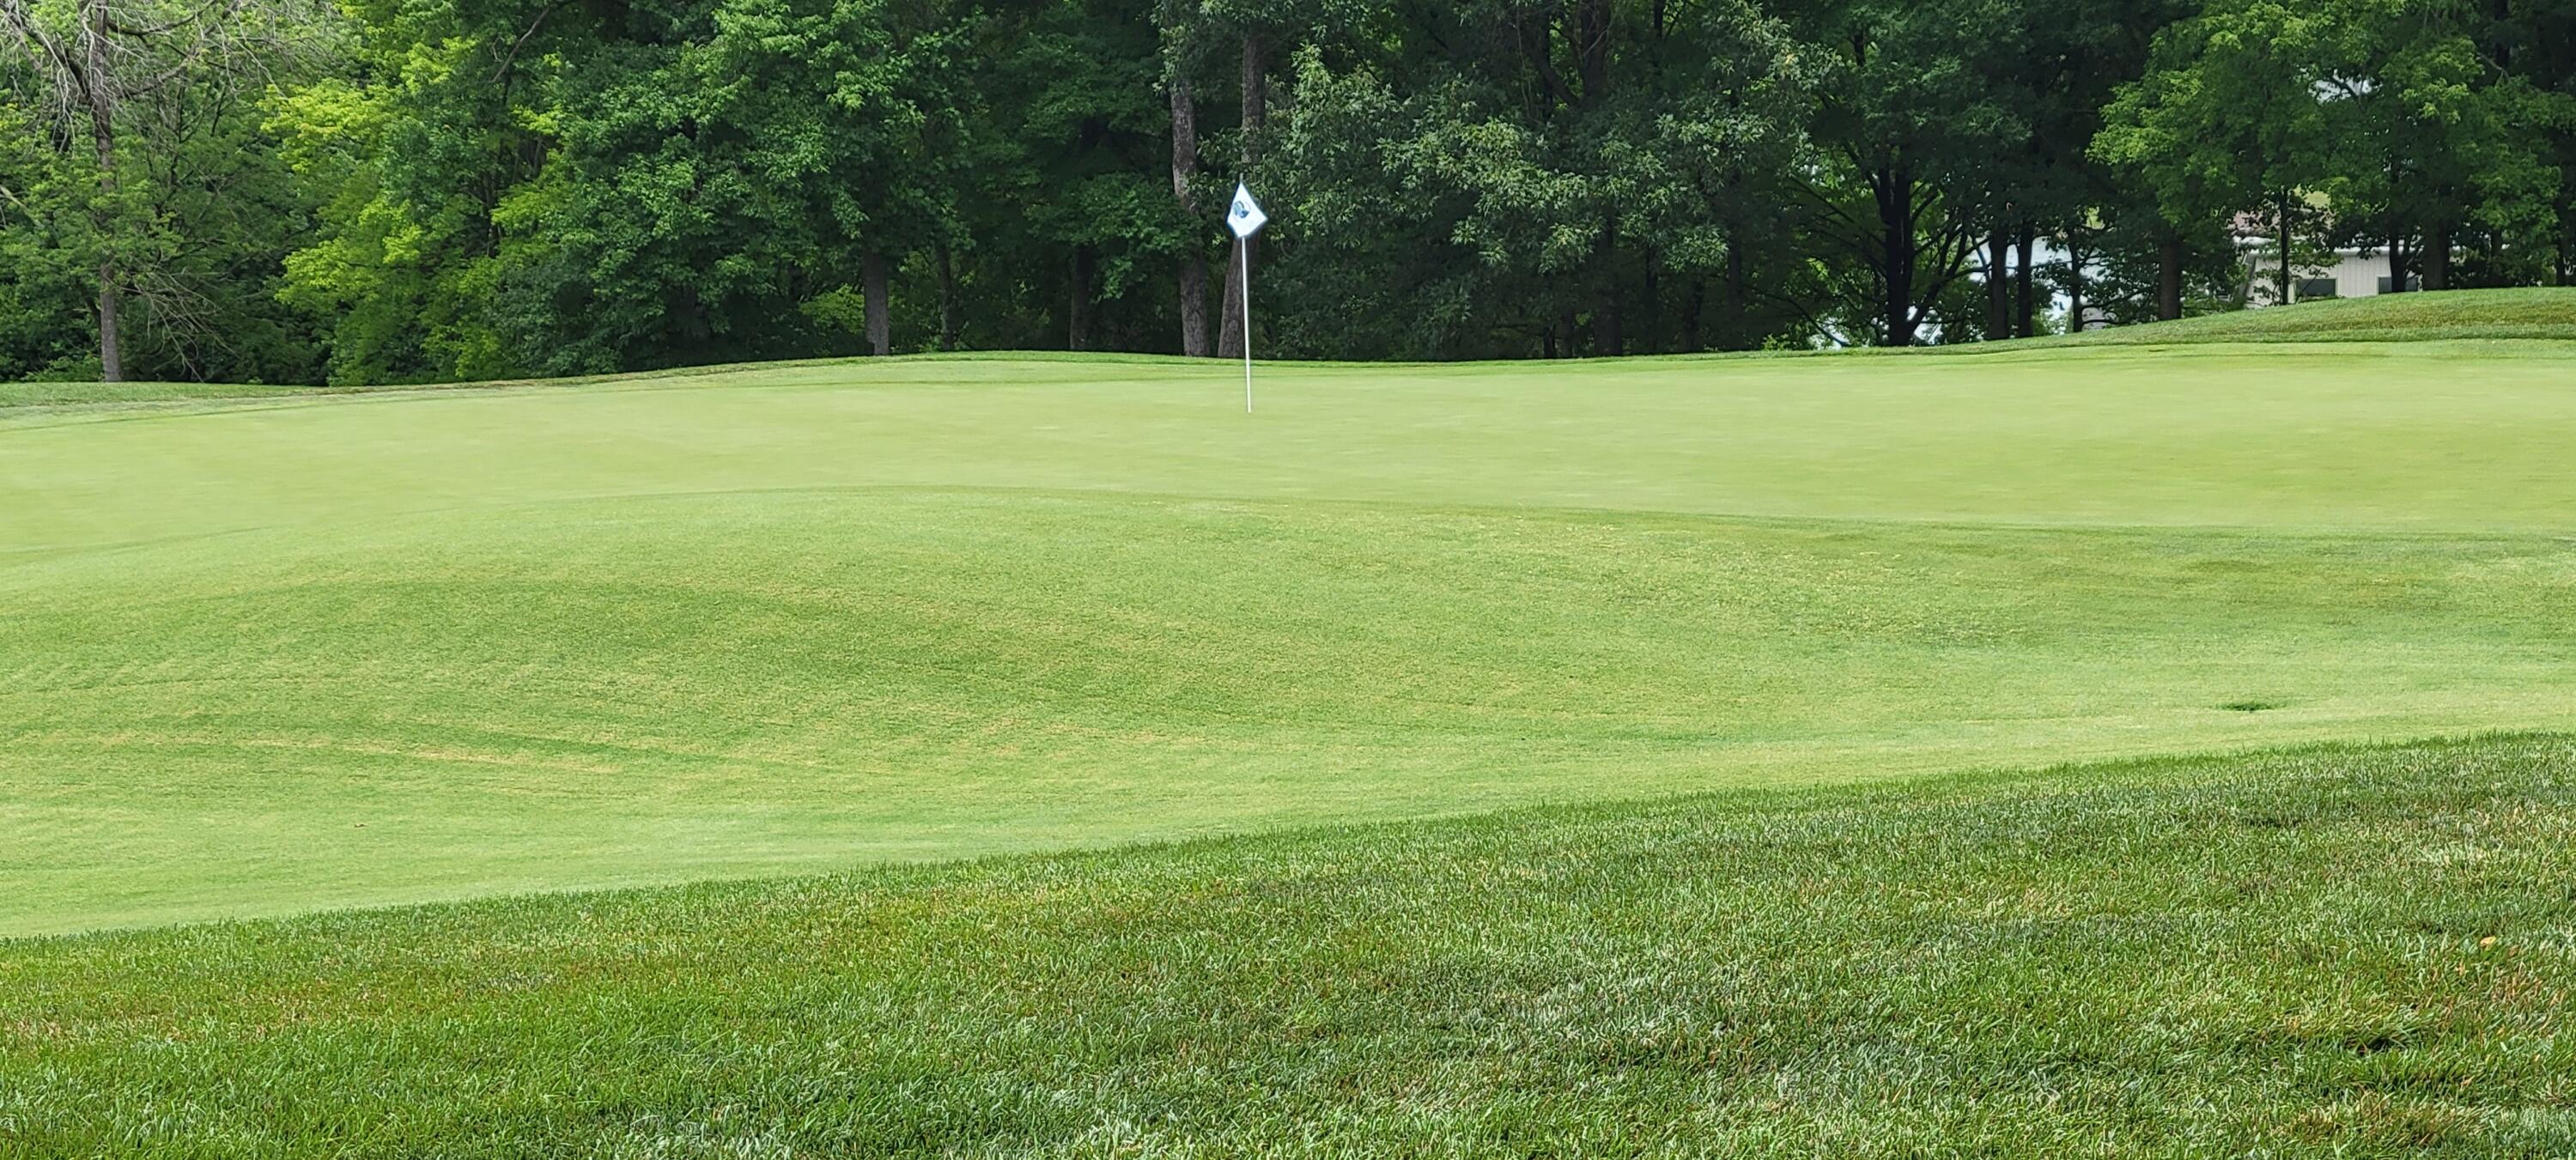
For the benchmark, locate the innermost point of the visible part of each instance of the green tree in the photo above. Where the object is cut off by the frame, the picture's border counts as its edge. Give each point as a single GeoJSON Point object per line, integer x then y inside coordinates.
{"type": "Point", "coordinates": [151, 105]}
{"type": "Point", "coordinates": [46, 286]}
{"type": "Point", "coordinates": [1734, 97]}
{"type": "Point", "coordinates": [1517, 178]}
{"type": "Point", "coordinates": [408, 154]}
{"type": "Point", "coordinates": [2229, 120]}
{"type": "Point", "coordinates": [1910, 133]}
{"type": "Point", "coordinates": [1076, 200]}
{"type": "Point", "coordinates": [462, 190]}
{"type": "Point", "coordinates": [2432, 137]}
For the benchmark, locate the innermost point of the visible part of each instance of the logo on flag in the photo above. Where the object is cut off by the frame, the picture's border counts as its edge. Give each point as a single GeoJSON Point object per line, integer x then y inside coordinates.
{"type": "Point", "coordinates": [1245, 217]}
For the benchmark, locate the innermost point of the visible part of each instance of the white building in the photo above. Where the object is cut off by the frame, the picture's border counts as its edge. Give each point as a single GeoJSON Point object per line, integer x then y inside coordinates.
{"type": "Point", "coordinates": [2354, 274]}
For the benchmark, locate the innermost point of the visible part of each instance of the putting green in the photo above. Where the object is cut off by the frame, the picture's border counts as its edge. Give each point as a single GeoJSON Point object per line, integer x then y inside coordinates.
{"type": "Point", "coordinates": [275, 655]}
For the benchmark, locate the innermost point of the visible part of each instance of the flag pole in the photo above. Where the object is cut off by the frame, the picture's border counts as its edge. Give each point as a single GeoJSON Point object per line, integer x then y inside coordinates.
{"type": "Point", "coordinates": [1245, 218]}
{"type": "Point", "coordinates": [1243, 247]}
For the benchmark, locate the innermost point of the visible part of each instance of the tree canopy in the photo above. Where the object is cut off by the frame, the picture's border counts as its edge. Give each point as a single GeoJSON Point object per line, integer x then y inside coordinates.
{"type": "Point", "coordinates": [419, 190]}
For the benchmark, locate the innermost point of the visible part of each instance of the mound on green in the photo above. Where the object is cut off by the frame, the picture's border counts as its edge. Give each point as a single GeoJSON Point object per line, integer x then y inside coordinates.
{"type": "Point", "coordinates": [2528, 313]}
{"type": "Point", "coordinates": [2340, 952]}
{"type": "Point", "coordinates": [272, 656]}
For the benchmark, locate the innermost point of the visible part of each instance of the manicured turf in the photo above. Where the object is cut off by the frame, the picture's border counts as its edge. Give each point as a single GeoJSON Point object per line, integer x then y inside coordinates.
{"type": "Point", "coordinates": [269, 652]}
{"type": "Point", "coordinates": [2328, 953]}
{"type": "Point", "coordinates": [2545, 313]}
{"type": "Point", "coordinates": [81, 395]}
{"type": "Point", "coordinates": [266, 656]}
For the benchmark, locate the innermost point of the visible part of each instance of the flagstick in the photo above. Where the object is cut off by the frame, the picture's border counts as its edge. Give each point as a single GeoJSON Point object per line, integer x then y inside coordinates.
{"type": "Point", "coordinates": [1243, 247]}
{"type": "Point", "coordinates": [1245, 218]}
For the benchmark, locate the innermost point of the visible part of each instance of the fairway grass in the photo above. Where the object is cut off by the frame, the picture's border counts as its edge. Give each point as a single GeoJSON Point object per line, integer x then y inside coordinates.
{"type": "Point", "coordinates": [2329, 952]}
{"type": "Point", "coordinates": [266, 656]}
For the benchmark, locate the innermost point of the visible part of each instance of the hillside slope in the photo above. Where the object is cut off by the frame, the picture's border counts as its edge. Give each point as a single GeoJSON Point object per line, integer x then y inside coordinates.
{"type": "Point", "coordinates": [2528, 313]}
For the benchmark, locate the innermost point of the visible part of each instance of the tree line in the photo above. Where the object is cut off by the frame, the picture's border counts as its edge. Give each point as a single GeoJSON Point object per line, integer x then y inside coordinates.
{"type": "Point", "coordinates": [420, 190]}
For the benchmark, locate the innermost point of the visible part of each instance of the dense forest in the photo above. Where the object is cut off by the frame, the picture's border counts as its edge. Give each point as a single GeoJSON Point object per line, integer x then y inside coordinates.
{"type": "Point", "coordinates": [413, 190]}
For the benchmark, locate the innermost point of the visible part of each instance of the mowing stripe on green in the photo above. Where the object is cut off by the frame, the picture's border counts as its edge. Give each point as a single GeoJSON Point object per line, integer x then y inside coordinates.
{"type": "Point", "coordinates": [271, 656]}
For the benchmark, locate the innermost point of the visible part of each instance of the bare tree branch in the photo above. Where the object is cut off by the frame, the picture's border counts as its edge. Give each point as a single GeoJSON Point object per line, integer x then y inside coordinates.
{"type": "Point", "coordinates": [10, 196]}
{"type": "Point", "coordinates": [512, 59]}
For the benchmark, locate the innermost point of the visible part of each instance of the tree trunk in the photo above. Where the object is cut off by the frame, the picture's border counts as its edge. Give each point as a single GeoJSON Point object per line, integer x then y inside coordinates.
{"type": "Point", "coordinates": [102, 124]}
{"type": "Point", "coordinates": [1650, 303]}
{"type": "Point", "coordinates": [1589, 35]}
{"type": "Point", "coordinates": [1230, 331]}
{"type": "Point", "coordinates": [2074, 287]}
{"type": "Point", "coordinates": [1737, 292]}
{"type": "Point", "coordinates": [1591, 30]}
{"type": "Point", "coordinates": [1077, 307]}
{"type": "Point", "coordinates": [2437, 258]}
{"type": "Point", "coordinates": [947, 298]}
{"type": "Point", "coordinates": [1998, 285]}
{"type": "Point", "coordinates": [1895, 190]}
{"type": "Point", "coordinates": [1193, 274]}
{"type": "Point", "coordinates": [2169, 278]}
{"type": "Point", "coordinates": [1692, 308]}
{"type": "Point", "coordinates": [2283, 289]}
{"type": "Point", "coordinates": [1229, 341]}
{"type": "Point", "coordinates": [111, 344]}
{"type": "Point", "coordinates": [1608, 339]}
{"type": "Point", "coordinates": [1194, 333]}
{"type": "Point", "coordinates": [2026, 322]}
{"type": "Point", "coordinates": [872, 287]}
{"type": "Point", "coordinates": [2396, 237]}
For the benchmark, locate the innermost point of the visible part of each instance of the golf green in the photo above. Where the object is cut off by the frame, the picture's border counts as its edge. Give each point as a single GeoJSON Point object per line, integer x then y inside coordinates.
{"type": "Point", "coordinates": [278, 654]}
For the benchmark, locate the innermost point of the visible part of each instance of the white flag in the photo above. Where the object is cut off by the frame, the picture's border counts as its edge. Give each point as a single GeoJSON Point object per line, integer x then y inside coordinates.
{"type": "Point", "coordinates": [1245, 218]}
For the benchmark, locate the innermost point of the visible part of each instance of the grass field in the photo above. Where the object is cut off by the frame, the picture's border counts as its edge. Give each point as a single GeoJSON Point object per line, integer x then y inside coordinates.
{"type": "Point", "coordinates": [272, 655]}
{"type": "Point", "coordinates": [2329, 953]}
{"type": "Point", "coordinates": [1610, 758]}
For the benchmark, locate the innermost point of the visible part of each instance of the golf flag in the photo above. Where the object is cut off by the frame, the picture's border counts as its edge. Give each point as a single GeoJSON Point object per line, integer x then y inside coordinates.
{"type": "Point", "coordinates": [1245, 217]}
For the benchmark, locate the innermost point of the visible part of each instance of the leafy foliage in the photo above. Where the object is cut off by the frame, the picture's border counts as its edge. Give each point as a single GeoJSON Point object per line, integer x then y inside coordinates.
{"type": "Point", "coordinates": [427, 190]}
